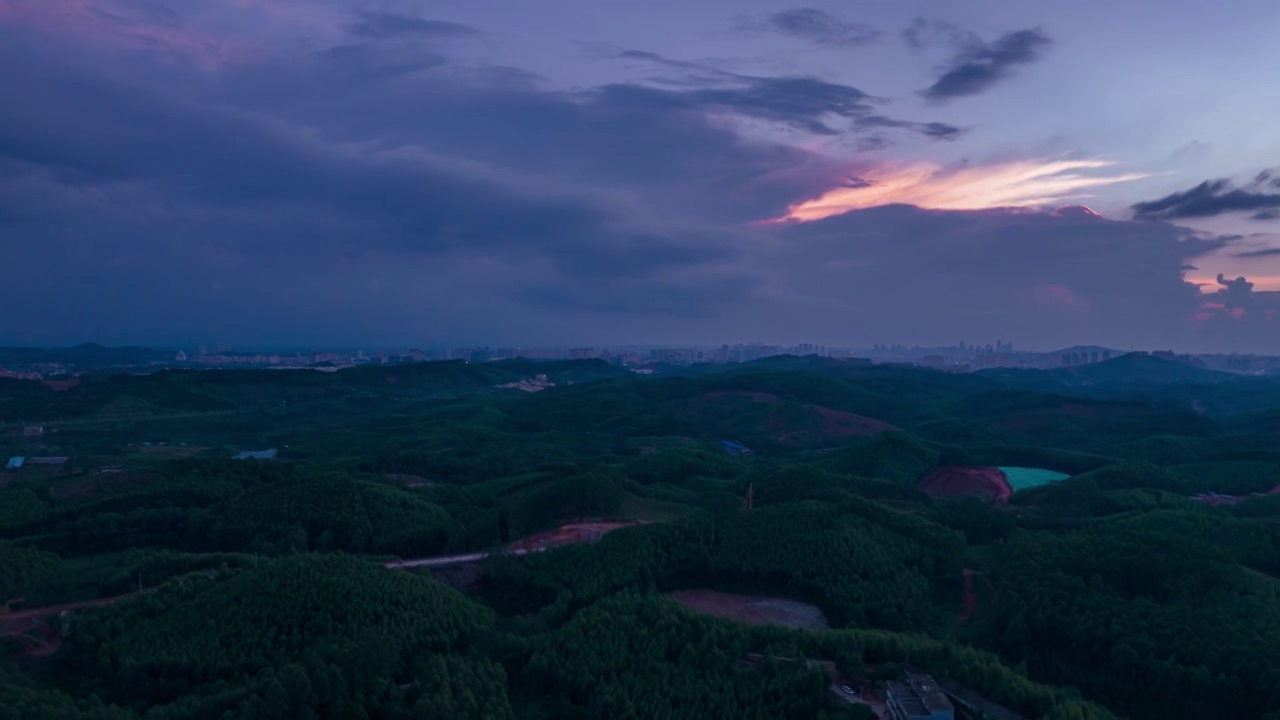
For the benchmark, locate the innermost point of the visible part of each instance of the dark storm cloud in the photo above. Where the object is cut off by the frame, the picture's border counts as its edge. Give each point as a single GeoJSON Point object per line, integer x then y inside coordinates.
{"type": "Point", "coordinates": [1236, 310]}
{"type": "Point", "coordinates": [625, 139]}
{"type": "Point", "coordinates": [702, 300]}
{"type": "Point", "coordinates": [980, 66]}
{"type": "Point", "coordinates": [1267, 178]}
{"type": "Point", "coordinates": [533, 188]}
{"type": "Point", "coordinates": [1217, 197]}
{"type": "Point", "coordinates": [1038, 275]}
{"type": "Point", "coordinates": [1267, 252]}
{"type": "Point", "coordinates": [796, 101]}
{"type": "Point", "coordinates": [416, 200]}
{"type": "Point", "coordinates": [822, 28]}
{"type": "Point", "coordinates": [934, 130]}
{"type": "Point", "coordinates": [803, 103]}
{"type": "Point", "coordinates": [380, 190]}
{"type": "Point", "coordinates": [385, 26]}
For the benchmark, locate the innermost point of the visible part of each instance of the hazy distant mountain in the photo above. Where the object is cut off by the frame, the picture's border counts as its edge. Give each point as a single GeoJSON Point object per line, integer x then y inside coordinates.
{"type": "Point", "coordinates": [87, 355]}
{"type": "Point", "coordinates": [1141, 368]}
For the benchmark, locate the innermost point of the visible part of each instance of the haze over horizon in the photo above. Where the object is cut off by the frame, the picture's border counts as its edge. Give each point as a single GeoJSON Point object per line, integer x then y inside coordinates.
{"type": "Point", "coordinates": [334, 172]}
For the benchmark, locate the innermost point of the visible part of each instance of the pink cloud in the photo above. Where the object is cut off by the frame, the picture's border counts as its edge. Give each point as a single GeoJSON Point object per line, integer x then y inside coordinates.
{"type": "Point", "coordinates": [1020, 184]}
{"type": "Point", "coordinates": [120, 25]}
{"type": "Point", "coordinates": [1053, 295]}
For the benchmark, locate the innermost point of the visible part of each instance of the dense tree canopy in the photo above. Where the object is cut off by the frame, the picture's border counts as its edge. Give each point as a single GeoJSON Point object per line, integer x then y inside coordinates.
{"type": "Point", "coordinates": [256, 589]}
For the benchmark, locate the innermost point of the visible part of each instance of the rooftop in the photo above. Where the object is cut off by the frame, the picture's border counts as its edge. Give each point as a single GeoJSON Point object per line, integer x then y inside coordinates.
{"type": "Point", "coordinates": [920, 696]}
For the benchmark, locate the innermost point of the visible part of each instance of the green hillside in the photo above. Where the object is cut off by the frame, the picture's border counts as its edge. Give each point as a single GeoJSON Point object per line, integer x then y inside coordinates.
{"type": "Point", "coordinates": [1117, 590]}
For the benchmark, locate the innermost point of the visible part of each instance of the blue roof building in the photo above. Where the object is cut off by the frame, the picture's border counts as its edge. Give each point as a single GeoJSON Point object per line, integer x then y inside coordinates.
{"type": "Point", "coordinates": [16, 462]}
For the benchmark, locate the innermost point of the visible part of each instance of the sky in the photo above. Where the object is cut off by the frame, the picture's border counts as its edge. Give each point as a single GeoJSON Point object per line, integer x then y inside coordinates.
{"type": "Point", "coordinates": [562, 172]}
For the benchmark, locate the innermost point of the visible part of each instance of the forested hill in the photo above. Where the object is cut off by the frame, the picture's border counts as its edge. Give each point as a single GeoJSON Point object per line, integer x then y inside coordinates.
{"type": "Point", "coordinates": [719, 542]}
{"type": "Point", "coordinates": [196, 391]}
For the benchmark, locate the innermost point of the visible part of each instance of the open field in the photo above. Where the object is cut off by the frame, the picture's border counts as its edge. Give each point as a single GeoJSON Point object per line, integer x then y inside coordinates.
{"type": "Point", "coordinates": [1021, 478]}
{"type": "Point", "coordinates": [960, 481]}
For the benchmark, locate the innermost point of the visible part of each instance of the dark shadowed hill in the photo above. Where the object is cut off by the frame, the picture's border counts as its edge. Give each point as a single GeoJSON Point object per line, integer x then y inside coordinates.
{"type": "Point", "coordinates": [188, 391]}
{"type": "Point", "coordinates": [85, 356]}
{"type": "Point", "coordinates": [1131, 371]}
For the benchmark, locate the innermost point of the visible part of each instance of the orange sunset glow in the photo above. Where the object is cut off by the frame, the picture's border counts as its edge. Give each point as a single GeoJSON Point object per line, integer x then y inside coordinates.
{"type": "Point", "coordinates": [1024, 183]}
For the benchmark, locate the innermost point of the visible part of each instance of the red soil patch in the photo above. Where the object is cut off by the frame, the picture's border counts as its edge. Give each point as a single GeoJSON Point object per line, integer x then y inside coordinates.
{"type": "Point", "coordinates": [567, 535]}
{"type": "Point", "coordinates": [62, 385]}
{"type": "Point", "coordinates": [1215, 499]}
{"type": "Point", "coordinates": [31, 631]}
{"type": "Point", "coordinates": [838, 423]}
{"type": "Point", "coordinates": [752, 610]}
{"type": "Point", "coordinates": [958, 481]}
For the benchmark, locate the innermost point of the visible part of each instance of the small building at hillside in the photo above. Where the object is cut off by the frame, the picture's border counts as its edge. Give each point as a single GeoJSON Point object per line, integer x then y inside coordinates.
{"type": "Point", "coordinates": [734, 448]}
{"type": "Point", "coordinates": [919, 698]}
{"type": "Point", "coordinates": [15, 463]}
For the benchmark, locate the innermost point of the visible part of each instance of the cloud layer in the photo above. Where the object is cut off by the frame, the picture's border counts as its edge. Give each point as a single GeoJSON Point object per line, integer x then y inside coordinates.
{"type": "Point", "coordinates": [1020, 184]}
{"type": "Point", "coordinates": [822, 28]}
{"type": "Point", "coordinates": [328, 174]}
{"type": "Point", "coordinates": [979, 66]}
{"type": "Point", "coordinates": [1260, 198]}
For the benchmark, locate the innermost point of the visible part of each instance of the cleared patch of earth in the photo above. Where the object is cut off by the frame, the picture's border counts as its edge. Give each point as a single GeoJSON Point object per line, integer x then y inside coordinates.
{"type": "Point", "coordinates": [958, 481]}
{"type": "Point", "coordinates": [571, 534]}
{"type": "Point", "coordinates": [753, 610]}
